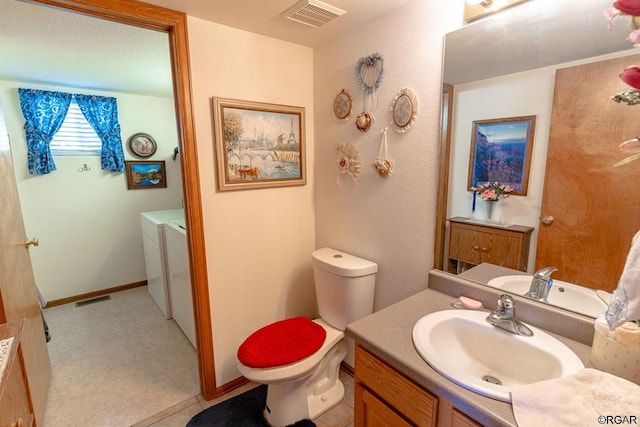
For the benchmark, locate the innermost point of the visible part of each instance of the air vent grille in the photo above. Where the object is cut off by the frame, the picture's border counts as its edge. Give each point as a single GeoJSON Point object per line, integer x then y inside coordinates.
{"type": "Point", "coordinates": [313, 13]}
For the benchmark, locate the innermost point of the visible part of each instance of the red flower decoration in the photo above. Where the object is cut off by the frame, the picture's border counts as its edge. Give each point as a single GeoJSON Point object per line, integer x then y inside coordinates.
{"type": "Point", "coordinates": [631, 76]}
{"type": "Point", "coordinates": [630, 7]}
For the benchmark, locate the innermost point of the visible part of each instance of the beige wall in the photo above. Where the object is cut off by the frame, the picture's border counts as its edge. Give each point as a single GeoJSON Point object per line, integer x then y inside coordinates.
{"type": "Point", "coordinates": [390, 221]}
{"type": "Point", "coordinates": [258, 242]}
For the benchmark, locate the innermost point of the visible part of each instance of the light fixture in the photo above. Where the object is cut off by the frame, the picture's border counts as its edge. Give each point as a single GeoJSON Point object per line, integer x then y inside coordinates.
{"type": "Point", "coordinates": [483, 3]}
{"type": "Point", "coordinates": [313, 13]}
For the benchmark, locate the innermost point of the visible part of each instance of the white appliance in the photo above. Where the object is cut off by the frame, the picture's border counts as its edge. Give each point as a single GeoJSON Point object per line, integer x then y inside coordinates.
{"type": "Point", "coordinates": [180, 278]}
{"type": "Point", "coordinates": [153, 226]}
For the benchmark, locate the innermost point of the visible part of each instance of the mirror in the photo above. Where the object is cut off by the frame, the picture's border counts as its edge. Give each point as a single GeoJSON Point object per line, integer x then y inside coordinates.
{"type": "Point", "coordinates": [534, 35]}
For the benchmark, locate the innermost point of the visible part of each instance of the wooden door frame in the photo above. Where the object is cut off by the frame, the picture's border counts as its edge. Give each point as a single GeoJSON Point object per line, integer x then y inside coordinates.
{"type": "Point", "coordinates": [174, 23]}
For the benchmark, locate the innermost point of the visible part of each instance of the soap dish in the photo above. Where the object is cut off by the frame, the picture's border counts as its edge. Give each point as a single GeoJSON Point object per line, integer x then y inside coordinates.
{"type": "Point", "coordinates": [467, 303]}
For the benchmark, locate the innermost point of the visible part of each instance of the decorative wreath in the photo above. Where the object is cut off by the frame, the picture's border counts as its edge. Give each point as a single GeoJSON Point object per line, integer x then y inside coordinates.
{"type": "Point", "coordinates": [349, 160]}
{"type": "Point", "coordinates": [369, 72]}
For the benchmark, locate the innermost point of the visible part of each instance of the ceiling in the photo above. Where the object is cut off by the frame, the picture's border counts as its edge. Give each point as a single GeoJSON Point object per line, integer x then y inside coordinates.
{"type": "Point", "coordinates": [46, 46]}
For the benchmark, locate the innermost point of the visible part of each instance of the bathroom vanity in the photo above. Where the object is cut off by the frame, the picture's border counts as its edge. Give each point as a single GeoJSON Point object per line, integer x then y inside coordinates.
{"type": "Point", "coordinates": [395, 386]}
{"type": "Point", "coordinates": [15, 403]}
{"type": "Point", "coordinates": [472, 243]}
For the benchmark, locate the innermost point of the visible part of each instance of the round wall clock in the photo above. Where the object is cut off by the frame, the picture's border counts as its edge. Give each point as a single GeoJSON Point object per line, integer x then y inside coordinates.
{"type": "Point", "coordinates": [343, 105]}
{"type": "Point", "coordinates": [142, 144]}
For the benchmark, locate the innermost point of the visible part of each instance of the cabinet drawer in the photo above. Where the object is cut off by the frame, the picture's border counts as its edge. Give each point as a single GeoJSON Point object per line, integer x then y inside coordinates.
{"type": "Point", "coordinates": [407, 398]}
{"type": "Point", "coordinates": [461, 420]}
{"type": "Point", "coordinates": [374, 412]}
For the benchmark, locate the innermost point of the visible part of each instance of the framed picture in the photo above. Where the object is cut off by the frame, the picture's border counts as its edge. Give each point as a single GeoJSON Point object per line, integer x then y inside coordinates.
{"type": "Point", "coordinates": [145, 174]}
{"type": "Point", "coordinates": [501, 151]}
{"type": "Point", "coordinates": [258, 145]}
{"type": "Point", "coordinates": [142, 145]}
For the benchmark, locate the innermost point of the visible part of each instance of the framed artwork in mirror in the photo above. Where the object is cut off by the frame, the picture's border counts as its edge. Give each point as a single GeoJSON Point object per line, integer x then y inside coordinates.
{"type": "Point", "coordinates": [142, 145]}
{"type": "Point", "coordinates": [404, 109]}
{"type": "Point", "coordinates": [145, 174]}
{"type": "Point", "coordinates": [501, 151]}
{"type": "Point", "coordinates": [343, 105]}
{"type": "Point", "coordinates": [258, 145]}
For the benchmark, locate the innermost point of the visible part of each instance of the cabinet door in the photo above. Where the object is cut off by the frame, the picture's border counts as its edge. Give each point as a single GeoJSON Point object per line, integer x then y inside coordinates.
{"type": "Point", "coordinates": [14, 405]}
{"type": "Point", "coordinates": [500, 250]}
{"type": "Point", "coordinates": [465, 245]}
{"type": "Point", "coordinates": [461, 420]}
{"type": "Point", "coordinates": [372, 412]}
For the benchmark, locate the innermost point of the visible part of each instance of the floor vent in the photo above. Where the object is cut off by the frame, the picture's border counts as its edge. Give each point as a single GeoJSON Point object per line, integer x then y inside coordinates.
{"type": "Point", "coordinates": [313, 13]}
{"type": "Point", "coordinates": [93, 300]}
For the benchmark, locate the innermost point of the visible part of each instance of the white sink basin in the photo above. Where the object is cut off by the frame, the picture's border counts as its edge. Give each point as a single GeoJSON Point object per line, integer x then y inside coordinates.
{"type": "Point", "coordinates": [463, 347]}
{"type": "Point", "coordinates": [562, 294]}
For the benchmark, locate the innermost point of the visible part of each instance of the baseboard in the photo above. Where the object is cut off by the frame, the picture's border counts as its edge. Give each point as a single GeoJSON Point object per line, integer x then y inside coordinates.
{"type": "Point", "coordinates": [95, 294]}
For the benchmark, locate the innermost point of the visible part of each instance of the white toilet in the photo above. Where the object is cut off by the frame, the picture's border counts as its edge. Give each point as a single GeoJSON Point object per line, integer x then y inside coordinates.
{"type": "Point", "coordinates": [299, 359]}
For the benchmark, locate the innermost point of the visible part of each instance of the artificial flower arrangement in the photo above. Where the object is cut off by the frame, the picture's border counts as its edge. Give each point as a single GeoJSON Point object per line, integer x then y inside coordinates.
{"type": "Point", "coordinates": [493, 190]}
{"type": "Point", "coordinates": [631, 74]}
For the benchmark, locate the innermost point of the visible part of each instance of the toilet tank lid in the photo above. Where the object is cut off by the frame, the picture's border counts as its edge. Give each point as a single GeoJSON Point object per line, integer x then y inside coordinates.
{"type": "Point", "coordinates": [343, 263]}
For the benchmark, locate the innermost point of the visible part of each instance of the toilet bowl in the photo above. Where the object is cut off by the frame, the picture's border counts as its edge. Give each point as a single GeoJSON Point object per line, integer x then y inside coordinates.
{"type": "Point", "coordinates": [299, 359]}
{"type": "Point", "coordinates": [305, 388]}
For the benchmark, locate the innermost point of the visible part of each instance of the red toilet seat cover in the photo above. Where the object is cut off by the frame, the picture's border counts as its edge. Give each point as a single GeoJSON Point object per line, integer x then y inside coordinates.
{"type": "Point", "coordinates": [281, 343]}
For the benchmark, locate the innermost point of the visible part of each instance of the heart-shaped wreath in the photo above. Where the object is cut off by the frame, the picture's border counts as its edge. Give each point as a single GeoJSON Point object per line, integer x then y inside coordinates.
{"type": "Point", "coordinates": [369, 72]}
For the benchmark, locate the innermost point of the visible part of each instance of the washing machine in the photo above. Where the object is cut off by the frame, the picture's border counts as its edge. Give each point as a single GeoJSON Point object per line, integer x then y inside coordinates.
{"type": "Point", "coordinates": [180, 278]}
{"type": "Point", "coordinates": [153, 237]}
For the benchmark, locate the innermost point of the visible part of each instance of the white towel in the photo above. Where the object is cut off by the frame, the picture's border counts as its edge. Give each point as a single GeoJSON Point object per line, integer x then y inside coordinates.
{"type": "Point", "coordinates": [579, 400]}
{"type": "Point", "coordinates": [625, 301]}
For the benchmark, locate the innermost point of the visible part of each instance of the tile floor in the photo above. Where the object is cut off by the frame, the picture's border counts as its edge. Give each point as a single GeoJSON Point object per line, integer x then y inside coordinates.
{"type": "Point", "coordinates": [119, 363]}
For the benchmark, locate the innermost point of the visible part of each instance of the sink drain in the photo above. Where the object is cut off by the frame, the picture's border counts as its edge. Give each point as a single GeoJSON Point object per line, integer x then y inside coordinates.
{"type": "Point", "coordinates": [491, 379]}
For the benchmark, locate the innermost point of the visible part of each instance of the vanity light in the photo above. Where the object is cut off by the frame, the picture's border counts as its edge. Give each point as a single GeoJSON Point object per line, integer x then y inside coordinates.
{"type": "Point", "coordinates": [474, 9]}
{"type": "Point", "coordinates": [483, 3]}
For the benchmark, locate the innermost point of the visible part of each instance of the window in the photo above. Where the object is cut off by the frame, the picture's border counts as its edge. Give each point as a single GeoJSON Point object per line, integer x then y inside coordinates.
{"type": "Point", "coordinates": [76, 137]}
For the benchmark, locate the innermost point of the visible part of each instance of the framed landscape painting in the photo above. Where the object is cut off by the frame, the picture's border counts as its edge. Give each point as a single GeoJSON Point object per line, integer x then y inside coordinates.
{"type": "Point", "coordinates": [258, 145]}
{"type": "Point", "coordinates": [501, 151]}
{"type": "Point", "coordinates": [145, 174]}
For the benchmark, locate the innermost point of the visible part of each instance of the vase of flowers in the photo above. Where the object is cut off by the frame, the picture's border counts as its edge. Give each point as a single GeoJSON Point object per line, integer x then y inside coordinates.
{"type": "Point", "coordinates": [490, 193]}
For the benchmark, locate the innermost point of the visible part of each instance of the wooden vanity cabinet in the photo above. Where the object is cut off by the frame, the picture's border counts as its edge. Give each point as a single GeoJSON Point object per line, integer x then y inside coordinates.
{"type": "Point", "coordinates": [15, 404]}
{"type": "Point", "coordinates": [385, 397]}
{"type": "Point", "coordinates": [472, 243]}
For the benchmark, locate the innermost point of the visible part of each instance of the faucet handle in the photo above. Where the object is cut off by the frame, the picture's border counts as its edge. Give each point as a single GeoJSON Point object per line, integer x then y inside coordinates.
{"type": "Point", "coordinates": [545, 273]}
{"type": "Point", "coordinates": [506, 302]}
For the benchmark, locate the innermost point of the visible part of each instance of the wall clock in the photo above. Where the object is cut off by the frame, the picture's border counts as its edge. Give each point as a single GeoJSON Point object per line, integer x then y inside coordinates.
{"type": "Point", "coordinates": [142, 144]}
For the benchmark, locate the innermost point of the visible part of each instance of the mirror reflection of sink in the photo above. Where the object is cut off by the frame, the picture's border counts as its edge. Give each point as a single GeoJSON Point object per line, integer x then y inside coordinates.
{"type": "Point", "coordinates": [463, 347]}
{"type": "Point", "coordinates": [563, 294]}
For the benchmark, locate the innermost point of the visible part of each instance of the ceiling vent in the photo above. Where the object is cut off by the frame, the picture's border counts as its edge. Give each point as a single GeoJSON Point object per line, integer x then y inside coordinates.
{"type": "Point", "coordinates": [313, 13]}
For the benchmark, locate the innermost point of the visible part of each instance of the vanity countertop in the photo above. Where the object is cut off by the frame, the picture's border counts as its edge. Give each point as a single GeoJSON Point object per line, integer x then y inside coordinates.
{"type": "Point", "coordinates": [9, 339]}
{"type": "Point", "coordinates": [387, 333]}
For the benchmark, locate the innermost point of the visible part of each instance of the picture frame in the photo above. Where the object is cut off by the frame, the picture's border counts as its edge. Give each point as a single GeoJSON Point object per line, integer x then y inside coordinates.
{"type": "Point", "coordinates": [258, 145]}
{"type": "Point", "coordinates": [404, 110]}
{"type": "Point", "coordinates": [142, 145]}
{"type": "Point", "coordinates": [501, 151]}
{"type": "Point", "coordinates": [145, 174]}
{"type": "Point", "coordinates": [343, 105]}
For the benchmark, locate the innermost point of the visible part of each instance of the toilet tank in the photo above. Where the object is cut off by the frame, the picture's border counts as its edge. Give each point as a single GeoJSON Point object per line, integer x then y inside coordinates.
{"type": "Point", "coordinates": [345, 286]}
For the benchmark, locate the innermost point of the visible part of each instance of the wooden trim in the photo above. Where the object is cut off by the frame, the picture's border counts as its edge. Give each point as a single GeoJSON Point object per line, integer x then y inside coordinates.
{"type": "Point", "coordinates": [153, 17]}
{"type": "Point", "coordinates": [94, 294]}
{"type": "Point", "coordinates": [444, 154]}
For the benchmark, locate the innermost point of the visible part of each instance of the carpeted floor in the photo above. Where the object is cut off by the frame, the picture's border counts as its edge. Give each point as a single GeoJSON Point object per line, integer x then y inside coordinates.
{"type": "Point", "coordinates": [244, 410]}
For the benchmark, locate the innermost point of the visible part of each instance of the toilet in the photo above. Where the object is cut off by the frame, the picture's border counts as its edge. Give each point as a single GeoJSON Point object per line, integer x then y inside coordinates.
{"type": "Point", "coordinates": [299, 358]}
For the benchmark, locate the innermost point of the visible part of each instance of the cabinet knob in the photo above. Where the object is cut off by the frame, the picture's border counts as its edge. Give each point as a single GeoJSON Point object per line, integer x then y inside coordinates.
{"type": "Point", "coordinates": [476, 247]}
{"type": "Point", "coordinates": [485, 249]}
{"type": "Point", "coordinates": [548, 220]}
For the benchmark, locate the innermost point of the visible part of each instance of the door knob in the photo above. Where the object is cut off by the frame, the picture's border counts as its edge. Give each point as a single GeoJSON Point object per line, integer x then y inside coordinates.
{"type": "Point", "coordinates": [547, 220]}
{"type": "Point", "coordinates": [31, 242]}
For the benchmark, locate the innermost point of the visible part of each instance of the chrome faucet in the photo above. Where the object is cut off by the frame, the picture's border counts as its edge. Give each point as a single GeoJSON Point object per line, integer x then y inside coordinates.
{"type": "Point", "coordinates": [505, 317]}
{"type": "Point", "coordinates": [541, 284]}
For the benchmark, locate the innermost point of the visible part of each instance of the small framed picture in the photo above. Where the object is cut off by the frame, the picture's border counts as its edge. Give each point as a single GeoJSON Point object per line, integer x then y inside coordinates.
{"type": "Point", "coordinates": [501, 151]}
{"type": "Point", "coordinates": [142, 145]}
{"type": "Point", "coordinates": [145, 174]}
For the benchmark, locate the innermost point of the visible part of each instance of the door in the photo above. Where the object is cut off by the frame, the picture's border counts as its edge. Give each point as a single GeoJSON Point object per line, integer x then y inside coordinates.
{"type": "Point", "coordinates": [18, 297]}
{"type": "Point", "coordinates": [594, 206]}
